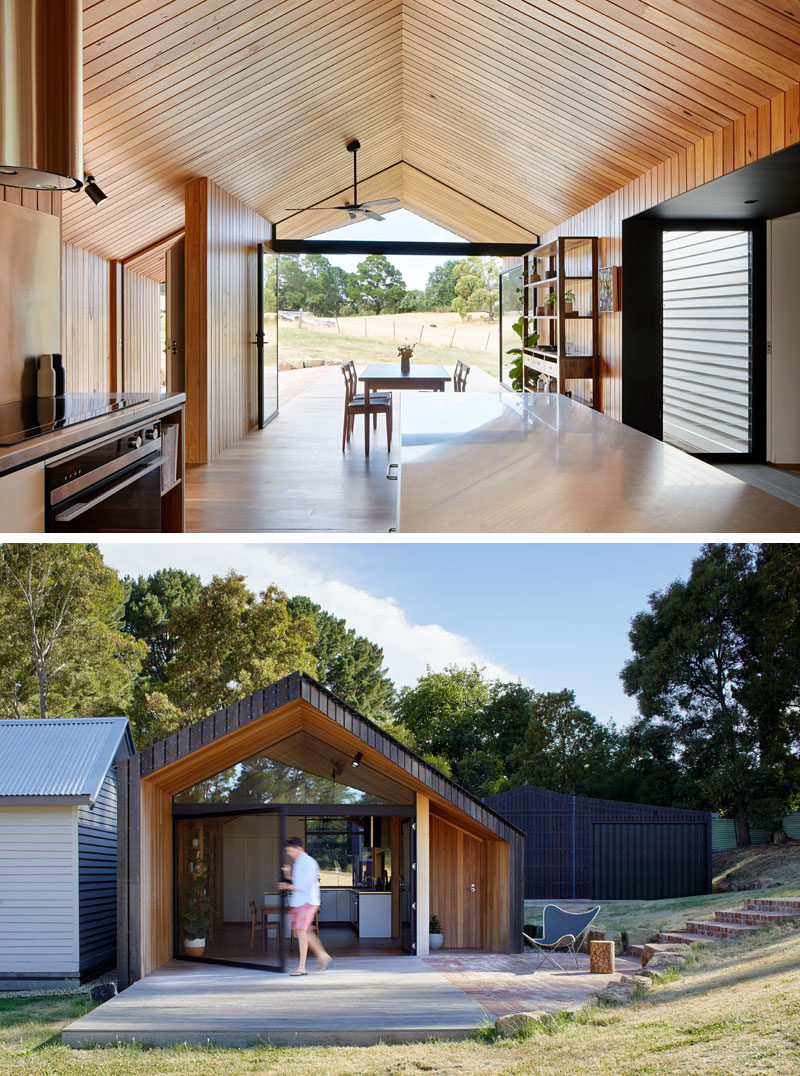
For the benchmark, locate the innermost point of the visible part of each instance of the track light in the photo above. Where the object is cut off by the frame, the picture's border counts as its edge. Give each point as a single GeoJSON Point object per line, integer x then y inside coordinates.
{"type": "Point", "coordinates": [357, 761]}
{"type": "Point", "coordinates": [92, 189]}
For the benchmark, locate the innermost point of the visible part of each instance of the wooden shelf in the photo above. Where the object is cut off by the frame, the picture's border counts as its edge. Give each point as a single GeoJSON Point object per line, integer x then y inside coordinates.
{"type": "Point", "coordinates": [580, 254]}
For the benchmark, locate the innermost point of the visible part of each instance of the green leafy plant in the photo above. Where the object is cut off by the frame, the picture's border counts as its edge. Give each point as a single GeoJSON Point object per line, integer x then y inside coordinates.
{"type": "Point", "coordinates": [515, 368]}
{"type": "Point", "coordinates": [435, 926]}
{"type": "Point", "coordinates": [552, 299]}
{"type": "Point", "coordinates": [195, 905]}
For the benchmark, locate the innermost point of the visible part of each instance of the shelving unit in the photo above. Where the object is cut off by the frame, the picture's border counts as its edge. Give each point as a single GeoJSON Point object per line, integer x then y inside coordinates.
{"type": "Point", "coordinates": [569, 341]}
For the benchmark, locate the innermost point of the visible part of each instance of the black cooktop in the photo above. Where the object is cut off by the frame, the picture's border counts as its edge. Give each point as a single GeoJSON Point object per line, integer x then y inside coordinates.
{"type": "Point", "coordinates": [24, 419]}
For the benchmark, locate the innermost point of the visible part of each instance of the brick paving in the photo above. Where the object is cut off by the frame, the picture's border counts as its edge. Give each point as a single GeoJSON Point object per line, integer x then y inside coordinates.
{"type": "Point", "coordinates": [508, 984]}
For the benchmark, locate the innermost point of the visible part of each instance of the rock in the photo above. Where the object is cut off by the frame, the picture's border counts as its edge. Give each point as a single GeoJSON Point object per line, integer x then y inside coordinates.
{"type": "Point", "coordinates": [601, 935]}
{"type": "Point", "coordinates": [722, 885]}
{"type": "Point", "coordinates": [103, 992]}
{"type": "Point", "coordinates": [662, 962]}
{"type": "Point", "coordinates": [637, 981]}
{"type": "Point", "coordinates": [511, 1025]}
{"type": "Point", "coordinates": [652, 948]}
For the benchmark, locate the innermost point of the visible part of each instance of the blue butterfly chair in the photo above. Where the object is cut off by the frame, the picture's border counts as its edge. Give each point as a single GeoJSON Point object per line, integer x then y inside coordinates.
{"type": "Point", "coordinates": [561, 930]}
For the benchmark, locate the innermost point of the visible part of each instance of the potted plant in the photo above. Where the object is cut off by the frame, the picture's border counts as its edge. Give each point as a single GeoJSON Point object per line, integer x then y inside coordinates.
{"type": "Point", "coordinates": [435, 935]}
{"type": "Point", "coordinates": [195, 909]}
{"type": "Point", "coordinates": [405, 351]}
{"type": "Point", "coordinates": [515, 369]}
{"type": "Point", "coordinates": [569, 299]}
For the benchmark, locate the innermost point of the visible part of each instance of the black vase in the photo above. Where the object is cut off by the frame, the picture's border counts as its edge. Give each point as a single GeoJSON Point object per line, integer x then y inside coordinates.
{"type": "Point", "coordinates": [61, 377]}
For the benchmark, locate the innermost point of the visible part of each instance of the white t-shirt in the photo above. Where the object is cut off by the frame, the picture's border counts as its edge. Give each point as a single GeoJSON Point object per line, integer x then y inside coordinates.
{"type": "Point", "coordinates": [305, 879]}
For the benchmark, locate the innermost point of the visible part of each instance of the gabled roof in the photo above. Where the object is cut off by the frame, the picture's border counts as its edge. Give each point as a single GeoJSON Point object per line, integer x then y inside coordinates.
{"type": "Point", "coordinates": [299, 687]}
{"type": "Point", "coordinates": [64, 760]}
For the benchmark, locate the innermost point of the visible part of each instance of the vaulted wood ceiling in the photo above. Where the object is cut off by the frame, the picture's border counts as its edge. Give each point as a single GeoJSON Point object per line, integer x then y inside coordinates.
{"type": "Point", "coordinates": [530, 110]}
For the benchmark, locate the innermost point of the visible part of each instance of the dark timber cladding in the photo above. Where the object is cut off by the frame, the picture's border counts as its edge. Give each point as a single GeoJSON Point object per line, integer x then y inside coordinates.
{"type": "Point", "coordinates": [577, 847]}
{"type": "Point", "coordinates": [149, 780]}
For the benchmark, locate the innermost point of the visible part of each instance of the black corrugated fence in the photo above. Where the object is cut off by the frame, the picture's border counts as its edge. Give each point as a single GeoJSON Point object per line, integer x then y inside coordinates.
{"type": "Point", "coordinates": [660, 851]}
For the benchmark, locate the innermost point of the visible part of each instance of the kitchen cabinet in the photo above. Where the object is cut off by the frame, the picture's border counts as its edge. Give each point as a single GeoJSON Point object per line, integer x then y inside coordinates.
{"type": "Point", "coordinates": [343, 906]}
{"type": "Point", "coordinates": [327, 906]}
{"type": "Point", "coordinates": [354, 909]}
{"type": "Point", "coordinates": [22, 498]}
{"type": "Point", "coordinates": [374, 915]}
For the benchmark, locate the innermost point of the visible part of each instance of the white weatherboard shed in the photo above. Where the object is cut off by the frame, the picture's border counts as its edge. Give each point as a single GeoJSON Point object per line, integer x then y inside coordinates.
{"type": "Point", "coordinates": [58, 848]}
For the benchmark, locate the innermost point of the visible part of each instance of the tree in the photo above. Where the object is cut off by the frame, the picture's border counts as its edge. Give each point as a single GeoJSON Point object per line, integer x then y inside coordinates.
{"type": "Point", "coordinates": [716, 663]}
{"type": "Point", "coordinates": [477, 286]}
{"type": "Point", "coordinates": [326, 286]}
{"type": "Point", "coordinates": [376, 284]}
{"type": "Point", "coordinates": [348, 664]}
{"type": "Point", "coordinates": [151, 603]}
{"type": "Point", "coordinates": [62, 649]}
{"type": "Point", "coordinates": [464, 724]}
{"type": "Point", "coordinates": [440, 291]}
{"type": "Point", "coordinates": [232, 643]}
{"type": "Point", "coordinates": [292, 283]}
{"type": "Point", "coordinates": [411, 302]}
{"type": "Point", "coordinates": [565, 748]}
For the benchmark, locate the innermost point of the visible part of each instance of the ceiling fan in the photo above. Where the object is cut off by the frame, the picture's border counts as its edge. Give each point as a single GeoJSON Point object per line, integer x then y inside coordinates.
{"type": "Point", "coordinates": [355, 210]}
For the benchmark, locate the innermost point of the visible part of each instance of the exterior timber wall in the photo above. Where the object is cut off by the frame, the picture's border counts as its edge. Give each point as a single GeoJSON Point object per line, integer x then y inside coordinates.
{"type": "Point", "coordinates": [757, 134]}
{"type": "Point", "coordinates": [148, 780]}
{"type": "Point", "coordinates": [559, 837]}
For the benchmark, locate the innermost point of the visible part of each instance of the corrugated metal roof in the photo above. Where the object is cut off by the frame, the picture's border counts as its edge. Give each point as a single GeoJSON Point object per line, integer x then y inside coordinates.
{"type": "Point", "coordinates": [65, 758]}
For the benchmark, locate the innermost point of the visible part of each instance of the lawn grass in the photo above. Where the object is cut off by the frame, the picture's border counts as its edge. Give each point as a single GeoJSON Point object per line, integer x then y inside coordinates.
{"type": "Point", "coordinates": [641, 919]}
{"type": "Point", "coordinates": [301, 345]}
{"type": "Point", "coordinates": [736, 1011]}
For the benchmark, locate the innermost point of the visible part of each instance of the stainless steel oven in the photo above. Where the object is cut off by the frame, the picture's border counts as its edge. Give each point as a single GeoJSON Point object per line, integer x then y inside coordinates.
{"type": "Point", "coordinates": [112, 484]}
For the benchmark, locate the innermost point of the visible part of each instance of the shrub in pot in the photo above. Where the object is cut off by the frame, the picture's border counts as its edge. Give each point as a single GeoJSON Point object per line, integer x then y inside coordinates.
{"type": "Point", "coordinates": [195, 909]}
{"type": "Point", "coordinates": [435, 935]}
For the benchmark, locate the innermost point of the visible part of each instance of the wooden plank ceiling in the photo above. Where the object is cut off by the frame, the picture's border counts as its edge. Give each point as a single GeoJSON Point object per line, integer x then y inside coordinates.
{"type": "Point", "coordinates": [532, 111]}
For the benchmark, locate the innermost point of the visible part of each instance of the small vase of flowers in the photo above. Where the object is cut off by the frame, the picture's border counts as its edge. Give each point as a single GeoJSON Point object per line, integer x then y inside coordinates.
{"type": "Point", "coordinates": [405, 351]}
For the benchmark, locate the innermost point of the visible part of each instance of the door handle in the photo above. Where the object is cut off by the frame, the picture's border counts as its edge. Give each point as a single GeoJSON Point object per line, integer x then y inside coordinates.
{"type": "Point", "coordinates": [471, 887]}
{"type": "Point", "coordinates": [389, 475]}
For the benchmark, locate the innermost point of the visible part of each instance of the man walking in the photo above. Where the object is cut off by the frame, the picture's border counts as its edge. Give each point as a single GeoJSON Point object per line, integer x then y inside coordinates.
{"type": "Point", "coordinates": [304, 901]}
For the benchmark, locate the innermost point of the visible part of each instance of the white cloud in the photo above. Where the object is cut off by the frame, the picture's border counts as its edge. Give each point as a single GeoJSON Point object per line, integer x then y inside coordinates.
{"type": "Point", "coordinates": [408, 647]}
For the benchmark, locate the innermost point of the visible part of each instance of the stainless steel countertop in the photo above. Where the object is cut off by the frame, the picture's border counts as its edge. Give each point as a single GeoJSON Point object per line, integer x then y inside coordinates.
{"type": "Point", "coordinates": [52, 444]}
{"type": "Point", "coordinates": [541, 463]}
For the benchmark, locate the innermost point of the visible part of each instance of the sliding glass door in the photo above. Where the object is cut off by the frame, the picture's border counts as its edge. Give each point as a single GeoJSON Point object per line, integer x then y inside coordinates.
{"type": "Point", "coordinates": [708, 341]}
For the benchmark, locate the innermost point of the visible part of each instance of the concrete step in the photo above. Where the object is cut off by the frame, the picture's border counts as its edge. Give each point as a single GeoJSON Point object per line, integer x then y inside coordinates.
{"type": "Point", "coordinates": [718, 930]}
{"type": "Point", "coordinates": [680, 937]}
{"type": "Point", "coordinates": [785, 905]}
{"type": "Point", "coordinates": [750, 917]}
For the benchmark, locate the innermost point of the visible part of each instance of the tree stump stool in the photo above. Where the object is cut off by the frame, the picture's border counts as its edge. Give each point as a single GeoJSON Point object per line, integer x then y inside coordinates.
{"type": "Point", "coordinates": [601, 957]}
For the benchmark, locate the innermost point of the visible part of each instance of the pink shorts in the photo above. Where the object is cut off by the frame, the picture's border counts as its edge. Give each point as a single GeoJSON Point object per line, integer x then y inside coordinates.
{"type": "Point", "coordinates": [301, 917]}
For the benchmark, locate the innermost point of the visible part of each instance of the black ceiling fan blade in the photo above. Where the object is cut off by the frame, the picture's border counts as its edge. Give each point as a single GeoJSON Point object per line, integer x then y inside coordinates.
{"type": "Point", "coordinates": [381, 201]}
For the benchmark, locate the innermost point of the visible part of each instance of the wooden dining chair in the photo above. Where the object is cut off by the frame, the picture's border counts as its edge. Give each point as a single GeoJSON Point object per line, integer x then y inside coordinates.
{"type": "Point", "coordinates": [380, 403]}
{"type": "Point", "coordinates": [314, 927]}
{"type": "Point", "coordinates": [268, 923]}
{"type": "Point", "coordinates": [460, 376]}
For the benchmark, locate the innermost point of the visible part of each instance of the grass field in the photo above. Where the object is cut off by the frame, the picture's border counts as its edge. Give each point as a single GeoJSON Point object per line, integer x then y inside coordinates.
{"type": "Point", "coordinates": [640, 919]}
{"type": "Point", "coordinates": [299, 345]}
{"type": "Point", "coordinates": [735, 1011]}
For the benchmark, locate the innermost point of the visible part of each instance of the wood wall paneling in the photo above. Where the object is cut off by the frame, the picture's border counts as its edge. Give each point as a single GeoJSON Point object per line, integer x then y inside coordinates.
{"type": "Point", "coordinates": [222, 237]}
{"type": "Point", "coordinates": [86, 322]}
{"type": "Point", "coordinates": [141, 333]}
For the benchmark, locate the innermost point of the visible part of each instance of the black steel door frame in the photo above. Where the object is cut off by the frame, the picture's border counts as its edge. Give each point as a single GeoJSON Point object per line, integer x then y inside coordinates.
{"type": "Point", "coordinates": [280, 811]}
{"type": "Point", "coordinates": [263, 418]}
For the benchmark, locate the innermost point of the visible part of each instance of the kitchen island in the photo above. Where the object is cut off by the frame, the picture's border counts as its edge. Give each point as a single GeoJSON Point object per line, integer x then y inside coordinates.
{"type": "Point", "coordinates": [540, 462]}
{"type": "Point", "coordinates": [368, 911]}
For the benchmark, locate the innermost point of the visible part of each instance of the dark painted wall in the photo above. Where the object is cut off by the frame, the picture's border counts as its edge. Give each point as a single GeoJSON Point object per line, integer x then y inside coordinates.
{"type": "Point", "coordinates": [560, 844]}
{"type": "Point", "coordinates": [97, 879]}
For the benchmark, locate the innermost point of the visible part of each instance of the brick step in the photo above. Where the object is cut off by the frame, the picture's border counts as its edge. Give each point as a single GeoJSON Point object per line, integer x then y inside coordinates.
{"type": "Point", "coordinates": [635, 950]}
{"type": "Point", "coordinates": [680, 937]}
{"type": "Point", "coordinates": [752, 918]}
{"type": "Point", "coordinates": [718, 930]}
{"type": "Point", "coordinates": [786, 905]}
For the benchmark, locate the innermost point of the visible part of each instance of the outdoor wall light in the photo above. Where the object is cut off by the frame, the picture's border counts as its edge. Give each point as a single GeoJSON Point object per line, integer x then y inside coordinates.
{"type": "Point", "coordinates": [93, 190]}
{"type": "Point", "coordinates": [357, 761]}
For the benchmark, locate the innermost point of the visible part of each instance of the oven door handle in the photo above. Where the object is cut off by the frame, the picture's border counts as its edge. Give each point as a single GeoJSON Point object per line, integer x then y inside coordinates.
{"type": "Point", "coordinates": [83, 506]}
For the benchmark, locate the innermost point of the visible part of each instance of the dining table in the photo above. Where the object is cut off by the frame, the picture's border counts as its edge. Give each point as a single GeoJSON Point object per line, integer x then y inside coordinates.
{"type": "Point", "coordinates": [383, 376]}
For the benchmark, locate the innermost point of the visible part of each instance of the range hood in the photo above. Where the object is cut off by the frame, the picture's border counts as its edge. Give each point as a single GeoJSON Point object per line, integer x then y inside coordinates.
{"type": "Point", "coordinates": [41, 94]}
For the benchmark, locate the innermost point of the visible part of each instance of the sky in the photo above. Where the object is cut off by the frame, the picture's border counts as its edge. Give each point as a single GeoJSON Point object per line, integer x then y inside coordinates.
{"type": "Point", "coordinates": [552, 615]}
{"type": "Point", "coordinates": [399, 226]}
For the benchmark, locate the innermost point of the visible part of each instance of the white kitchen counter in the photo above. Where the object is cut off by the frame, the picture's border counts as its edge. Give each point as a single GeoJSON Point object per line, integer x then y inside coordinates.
{"type": "Point", "coordinates": [374, 915]}
{"type": "Point", "coordinates": [539, 462]}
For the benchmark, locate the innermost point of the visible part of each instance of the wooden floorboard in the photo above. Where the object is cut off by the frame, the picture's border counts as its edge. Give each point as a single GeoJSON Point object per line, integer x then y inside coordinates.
{"type": "Point", "coordinates": [293, 476]}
